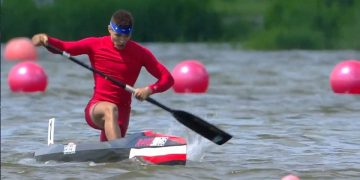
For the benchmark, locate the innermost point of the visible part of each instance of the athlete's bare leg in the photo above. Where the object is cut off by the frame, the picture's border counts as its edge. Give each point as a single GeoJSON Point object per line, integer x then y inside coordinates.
{"type": "Point", "coordinates": [105, 115]}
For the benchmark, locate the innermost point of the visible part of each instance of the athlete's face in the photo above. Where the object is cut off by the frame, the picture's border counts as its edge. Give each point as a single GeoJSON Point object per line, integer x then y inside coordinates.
{"type": "Point", "coordinates": [119, 40]}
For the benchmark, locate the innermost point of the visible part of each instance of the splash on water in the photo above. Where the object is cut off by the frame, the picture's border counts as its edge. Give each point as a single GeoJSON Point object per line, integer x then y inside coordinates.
{"type": "Point", "coordinates": [196, 144]}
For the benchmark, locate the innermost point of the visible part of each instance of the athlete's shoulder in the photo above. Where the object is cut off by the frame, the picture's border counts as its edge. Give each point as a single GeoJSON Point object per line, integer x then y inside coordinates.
{"type": "Point", "coordinates": [95, 42]}
{"type": "Point", "coordinates": [97, 39]}
{"type": "Point", "coordinates": [135, 44]}
{"type": "Point", "coordinates": [138, 47]}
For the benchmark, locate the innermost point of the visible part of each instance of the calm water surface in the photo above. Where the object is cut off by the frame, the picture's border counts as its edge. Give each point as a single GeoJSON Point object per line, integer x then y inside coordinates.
{"type": "Point", "coordinates": [278, 105]}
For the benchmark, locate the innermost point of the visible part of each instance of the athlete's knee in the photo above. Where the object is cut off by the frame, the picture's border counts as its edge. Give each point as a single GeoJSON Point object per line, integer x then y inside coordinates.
{"type": "Point", "coordinates": [111, 110]}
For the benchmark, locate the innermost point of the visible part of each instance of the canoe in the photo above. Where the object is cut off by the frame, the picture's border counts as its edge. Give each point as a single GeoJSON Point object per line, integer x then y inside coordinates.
{"type": "Point", "coordinates": [147, 146]}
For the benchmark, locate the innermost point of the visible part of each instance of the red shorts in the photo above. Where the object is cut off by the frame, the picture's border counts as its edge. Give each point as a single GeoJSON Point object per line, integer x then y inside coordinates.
{"type": "Point", "coordinates": [123, 119]}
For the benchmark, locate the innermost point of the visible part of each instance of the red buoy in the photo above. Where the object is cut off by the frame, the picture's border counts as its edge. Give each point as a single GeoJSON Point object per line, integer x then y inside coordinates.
{"type": "Point", "coordinates": [190, 76]}
{"type": "Point", "coordinates": [27, 77]}
{"type": "Point", "coordinates": [345, 77]}
{"type": "Point", "coordinates": [20, 48]}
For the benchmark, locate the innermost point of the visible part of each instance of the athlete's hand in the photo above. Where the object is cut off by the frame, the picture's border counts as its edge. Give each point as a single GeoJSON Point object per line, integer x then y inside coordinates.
{"type": "Point", "coordinates": [40, 39]}
{"type": "Point", "coordinates": [142, 93]}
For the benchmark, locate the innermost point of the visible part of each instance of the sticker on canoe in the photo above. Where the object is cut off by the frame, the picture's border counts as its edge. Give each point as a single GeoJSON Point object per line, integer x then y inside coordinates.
{"type": "Point", "coordinates": [70, 148]}
{"type": "Point", "coordinates": [153, 141]}
{"type": "Point", "coordinates": [159, 141]}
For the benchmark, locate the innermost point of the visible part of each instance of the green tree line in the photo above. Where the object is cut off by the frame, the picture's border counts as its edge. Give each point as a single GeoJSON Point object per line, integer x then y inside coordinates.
{"type": "Point", "coordinates": [155, 20]}
{"type": "Point", "coordinates": [255, 24]}
{"type": "Point", "coordinates": [309, 24]}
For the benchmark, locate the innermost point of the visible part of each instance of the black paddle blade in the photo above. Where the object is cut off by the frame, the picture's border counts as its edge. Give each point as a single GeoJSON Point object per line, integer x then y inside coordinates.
{"type": "Point", "coordinates": [202, 127]}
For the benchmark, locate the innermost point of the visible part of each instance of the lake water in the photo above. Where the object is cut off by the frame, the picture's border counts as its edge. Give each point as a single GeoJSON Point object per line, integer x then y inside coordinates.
{"type": "Point", "coordinates": [278, 105]}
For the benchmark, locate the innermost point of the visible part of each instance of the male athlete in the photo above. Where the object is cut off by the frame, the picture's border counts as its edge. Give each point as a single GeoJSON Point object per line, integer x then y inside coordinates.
{"type": "Point", "coordinates": [121, 58]}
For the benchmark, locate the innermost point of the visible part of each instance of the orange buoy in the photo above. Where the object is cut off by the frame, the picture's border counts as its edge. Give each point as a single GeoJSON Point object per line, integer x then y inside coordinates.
{"type": "Point", "coordinates": [27, 77]}
{"type": "Point", "coordinates": [20, 48]}
{"type": "Point", "coordinates": [190, 76]}
{"type": "Point", "coordinates": [345, 77]}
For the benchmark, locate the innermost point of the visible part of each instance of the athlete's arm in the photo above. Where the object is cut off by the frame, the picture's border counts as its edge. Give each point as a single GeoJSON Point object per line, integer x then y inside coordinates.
{"type": "Point", "coordinates": [72, 47]}
{"type": "Point", "coordinates": [159, 71]}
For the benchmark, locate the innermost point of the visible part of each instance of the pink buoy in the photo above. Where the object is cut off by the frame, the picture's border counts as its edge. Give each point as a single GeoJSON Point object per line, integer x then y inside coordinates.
{"type": "Point", "coordinates": [20, 48]}
{"type": "Point", "coordinates": [27, 77]}
{"type": "Point", "coordinates": [190, 77]}
{"type": "Point", "coordinates": [290, 177]}
{"type": "Point", "coordinates": [345, 77]}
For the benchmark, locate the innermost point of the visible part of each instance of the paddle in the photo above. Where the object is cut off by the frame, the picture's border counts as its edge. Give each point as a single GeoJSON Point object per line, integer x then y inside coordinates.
{"type": "Point", "coordinates": [191, 121]}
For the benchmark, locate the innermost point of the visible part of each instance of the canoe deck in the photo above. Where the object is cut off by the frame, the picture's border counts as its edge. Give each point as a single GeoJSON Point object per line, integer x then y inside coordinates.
{"type": "Point", "coordinates": [147, 146]}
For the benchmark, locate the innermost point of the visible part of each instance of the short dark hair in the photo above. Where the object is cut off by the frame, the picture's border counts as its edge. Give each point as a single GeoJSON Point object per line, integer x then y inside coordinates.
{"type": "Point", "coordinates": [122, 18]}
